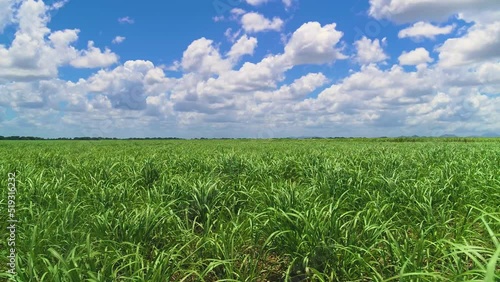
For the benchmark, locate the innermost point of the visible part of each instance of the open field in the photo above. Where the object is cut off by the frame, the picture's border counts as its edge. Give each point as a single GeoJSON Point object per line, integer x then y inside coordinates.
{"type": "Point", "coordinates": [254, 210]}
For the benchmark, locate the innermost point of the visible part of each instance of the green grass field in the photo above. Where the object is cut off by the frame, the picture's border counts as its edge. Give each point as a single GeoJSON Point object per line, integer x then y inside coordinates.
{"type": "Point", "coordinates": [254, 210]}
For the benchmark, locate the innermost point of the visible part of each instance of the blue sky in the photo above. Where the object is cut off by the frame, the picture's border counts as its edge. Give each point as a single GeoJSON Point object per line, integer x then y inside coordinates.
{"type": "Point", "coordinates": [249, 68]}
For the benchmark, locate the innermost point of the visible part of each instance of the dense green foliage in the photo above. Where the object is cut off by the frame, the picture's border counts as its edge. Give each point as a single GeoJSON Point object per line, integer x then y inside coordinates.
{"type": "Point", "coordinates": [254, 210]}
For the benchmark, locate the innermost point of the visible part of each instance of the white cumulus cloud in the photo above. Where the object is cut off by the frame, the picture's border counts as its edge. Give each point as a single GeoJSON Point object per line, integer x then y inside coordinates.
{"type": "Point", "coordinates": [416, 57]}
{"type": "Point", "coordinates": [94, 58]}
{"type": "Point", "coordinates": [314, 44]}
{"type": "Point", "coordinates": [254, 22]}
{"type": "Point", "coordinates": [425, 30]}
{"type": "Point", "coordinates": [256, 2]}
{"type": "Point", "coordinates": [369, 51]}
{"type": "Point", "coordinates": [481, 43]}
{"type": "Point", "coordinates": [408, 11]}
{"type": "Point", "coordinates": [204, 58]}
{"type": "Point", "coordinates": [6, 13]}
{"type": "Point", "coordinates": [244, 46]}
{"type": "Point", "coordinates": [37, 52]}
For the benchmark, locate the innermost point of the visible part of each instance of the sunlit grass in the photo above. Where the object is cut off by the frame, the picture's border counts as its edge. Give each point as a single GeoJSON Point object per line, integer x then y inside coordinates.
{"type": "Point", "coordinates": [269, 210]}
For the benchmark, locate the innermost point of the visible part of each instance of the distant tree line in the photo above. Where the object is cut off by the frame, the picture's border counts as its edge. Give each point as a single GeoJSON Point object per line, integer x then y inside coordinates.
{"type": "Point", "coordinates": [448, 138]}
{"type": "Point", "coordinates": [20, 138]}
{"type": "Point", "coordinates": [84, 138]}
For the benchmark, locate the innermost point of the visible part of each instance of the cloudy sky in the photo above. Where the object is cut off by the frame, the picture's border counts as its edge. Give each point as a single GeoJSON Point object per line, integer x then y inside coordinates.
{"type": "Point", "coordinates": [249, 68]}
